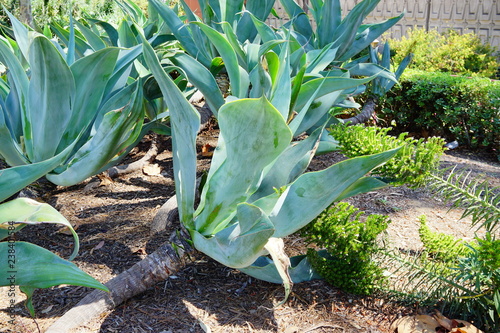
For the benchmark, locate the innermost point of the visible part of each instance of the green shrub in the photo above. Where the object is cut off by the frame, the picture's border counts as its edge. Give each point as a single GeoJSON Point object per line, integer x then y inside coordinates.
{"type": "Point", "coordinates": [350, 244]}
{"type": "Point", "coordinates": [448, 52]}
{"type": "Point", "coordinates": [454, 107]}
{"type": "Point", "coordinates": [441, 246]}
{"type": "Point", "coordinates": [411, 165]}
{"type": "Point", "coordinates": [462, 279]}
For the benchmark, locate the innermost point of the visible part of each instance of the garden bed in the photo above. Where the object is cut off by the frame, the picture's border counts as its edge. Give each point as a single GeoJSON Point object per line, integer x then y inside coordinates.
{"type": "Point", "coordinates": [113, 218]}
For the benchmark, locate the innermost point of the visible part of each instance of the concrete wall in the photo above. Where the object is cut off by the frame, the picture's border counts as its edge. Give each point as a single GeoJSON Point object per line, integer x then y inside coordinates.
{"type": "Point", "coordinates": [479, 16]}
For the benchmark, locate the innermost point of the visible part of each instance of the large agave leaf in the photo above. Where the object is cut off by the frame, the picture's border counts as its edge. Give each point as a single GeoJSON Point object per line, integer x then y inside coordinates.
{"type": "Point", "coordinates": [299, 18]}
{"type": "Point", "coordinates": [133, 10]}
{"type": "Point", "coordinates": [230, 9]}
{"type": "Point", "coordinates": [328, 19]}
{"type": "Point", "coordinates": [319, 59]}
{"type": "Point", "coordinates": [260, 10]}
{"type": "Point", "coordinates": [324, 86]}
{"type": "Point", "coordinates": [76, 45]}
{"type": "Point", "coordinates": [312, 192]}
{"type": "Point", "coordinates": [367, 34]}
{"type": "Point", "coordinates": [266, 33]}
{"type": "Point", "coordinates": [241, 243]}
{"type": "Point", "coordinates": [122, 70]}
{"type": "Point", "coordinates": [185, 123]}
{"type": "Point", "coordinates": [112, 34]}
{"type": "Point", "coordinates": [374, 70]}
{"type": "Point", "coordinates": [22, 34]}
{"type": "Point", "coordinates": [202, 79]}
{"type": "Point", "coordinates": [235, 43]}
{"type": "Point", "coordinates": [198, 36]}
{"type": "Point", "coordinates": [260, 81]}
{"type": "Point", "coordinates": [181, 32]}
{"type": "Point", "coordinates": [289, 165]}
{"type": "Point", "coordinates": [15, 67]}
{"type": "Point", "coordinates": [91, 75]}
{"type": "Point", "coordinates": [281, 90]}
{"type": "Point", "coordinates": [24, 211]}
{"type": "Point", "coordinates": [51, 97]}
{"type": "Point", "coordinates": [362, 185]}
{"type": "Point", "coordinates": [325, 92]}
{"type": "Point", "coordinates": [126, 37]}
{"type": "Point", "coordinates": [14, 108]}
{"type": "Point", "coordinates": [264, 269]}
{"type": "Point", "coordinates": [92, 38]}
{"type": "Point", "coordinates": [248, 150]}
{"type": "Point", "coordinates": [16, 178]}
{"type": "Point", "coordinates": [238, 77]}
{"type": "Point", "coordinates": [345, 34]}
{"type": "Point", "coordinates": [10, 150]}
{"type": "Point", "coordinates": [36, 267]}
{"type": "Point", "coordinates": [121, 122]}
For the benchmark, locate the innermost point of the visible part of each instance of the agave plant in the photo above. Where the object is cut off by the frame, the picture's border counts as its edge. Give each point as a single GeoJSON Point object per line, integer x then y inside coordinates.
{"type": "Point", "coordinates": [273, 64]}
{"type": "Point", "coordinates": [63, 118]}
{"type": "Point", "coordinates": [30, 266]}
{"type": "Point", "coordinates": [342, 38]}
{"type": "Point", "coordinates": [255, 194]}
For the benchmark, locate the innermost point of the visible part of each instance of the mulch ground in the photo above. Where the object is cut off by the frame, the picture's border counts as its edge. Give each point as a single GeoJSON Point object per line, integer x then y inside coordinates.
{"type": "Point", "coordinates": [112, 219]}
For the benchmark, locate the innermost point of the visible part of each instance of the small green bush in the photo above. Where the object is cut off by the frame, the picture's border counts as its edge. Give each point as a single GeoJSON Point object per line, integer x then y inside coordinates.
{"type": "Point", "coordinates": [412, 164]}
{"type": "Point", "coordinates": [454, 107]}
{"type": "Point", "coordinates": [448, 52]}
{"type": "Point", "coordinates": [441, 246]}
{"type": "Point", "coordinates": [350, 244]}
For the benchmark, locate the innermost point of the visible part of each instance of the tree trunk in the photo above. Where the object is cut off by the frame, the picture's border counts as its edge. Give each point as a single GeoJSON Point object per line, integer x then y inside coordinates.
{"type": "Point", "coordinates": [171, 257]}
{"type": "Point", "coordinates": [366, 113]}
{"type": "Point", "coordinates": [119, 170]}
{"type": "Point", "coordinates": [25, 9]}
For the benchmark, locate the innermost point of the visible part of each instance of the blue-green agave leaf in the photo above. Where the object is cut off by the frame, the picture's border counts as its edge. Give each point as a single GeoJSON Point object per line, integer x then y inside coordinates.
{"type": "Point", "coordinates": [312, 192]}
{"type": "Point", "coordinates": [248, 151]}
{"type": "Point", "coordinates": [241, 243]}
{"type": "Point", "coordinates": [120, 122]}
{"type": "Point", "coordinates": [238, 77]}
{"type": "Point", "coordinates": [16, 178]}
{"type": "Point", "coordinates": [185, 123]}
{"type": "Point", "coordinates": [201, 79]}
{"type": "Point", "coordinates": [50, 101]}
{"type": "Point", "coordinates": [264, 269]}
{"type": "Point", "coordinates": [22, 211]}
{"type": "Point", "coordinates": [36, 267]}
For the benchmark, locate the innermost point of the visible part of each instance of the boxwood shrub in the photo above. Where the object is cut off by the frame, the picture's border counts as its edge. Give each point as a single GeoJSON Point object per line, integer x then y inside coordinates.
{"type": "Point", "coordinates": [465, 109]}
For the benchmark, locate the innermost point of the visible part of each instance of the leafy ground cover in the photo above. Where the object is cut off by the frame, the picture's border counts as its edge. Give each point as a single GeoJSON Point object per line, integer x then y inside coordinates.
{"type": "Point", "coordinates": [113, 219]}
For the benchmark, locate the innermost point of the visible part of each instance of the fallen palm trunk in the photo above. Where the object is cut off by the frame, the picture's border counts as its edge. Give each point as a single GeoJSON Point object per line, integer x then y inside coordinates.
{"type": "Point", "coordinates": [168, 259]}
{"type": "Point", "coordinates": [366, 113]}
{"type": "Point", "coordinates": [120, 170]}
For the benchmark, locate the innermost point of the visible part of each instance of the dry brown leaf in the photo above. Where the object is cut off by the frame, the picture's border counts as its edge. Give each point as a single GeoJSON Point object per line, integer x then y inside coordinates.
{"type": "Point", "coordinates": [151, 169]}
{"type": "Point", "coordinates": [105, 179]}
{"type": "Point", "coordinates": [443, 321]}
{"type": "Point", "coordinates": [207, 150]}
{"type": "Point", "coordinates": [428, 324]}
{"type": "Point", "coordinates": [468, 327]}
{"type": "Point", "coordinates": [415, 324]}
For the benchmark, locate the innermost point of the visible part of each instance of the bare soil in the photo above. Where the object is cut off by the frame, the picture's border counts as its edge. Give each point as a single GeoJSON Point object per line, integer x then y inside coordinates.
{"type": "Point", "coordinates": [113, 221]}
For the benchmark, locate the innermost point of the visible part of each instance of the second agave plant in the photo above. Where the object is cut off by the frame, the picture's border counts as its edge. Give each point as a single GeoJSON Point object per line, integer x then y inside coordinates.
{"type": "Point", "coordinates": [63, 118]}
